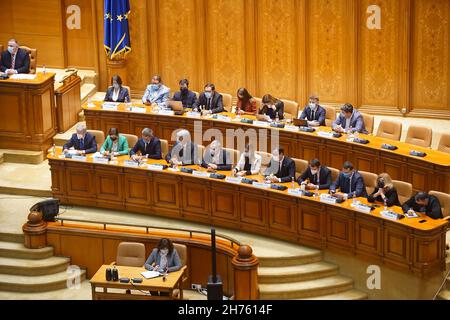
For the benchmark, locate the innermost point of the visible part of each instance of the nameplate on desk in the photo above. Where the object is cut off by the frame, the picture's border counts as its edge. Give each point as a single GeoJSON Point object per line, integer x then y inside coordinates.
{"type": "Point", "coordinates": [295, 192]}
{"type": "Point", "coordinates": [100, 160]}
{"type": "Point", "coordinates": [391, 215]}
{"type": "Point", "coordinates": [138, 109]}
{"type": "Point", "coordinates": [223, 118]}
{"type": "Point", "coordinates": [79, 158]}
{"type": "Point", "coordinates": [233, 180]}
{"type": "Point", "coordinates": [325, 134]}
{"type": "Point", "coordinates": [291, 128]}
{"type": "Point", "coordinates": [155, 167]}
{"type": "Point", "coordinates": [200, 174]}
{"type": "Point", "coordinates": [109, 107]}
{"type": "Point", "coordinates": [91, 105]}
{"type": "Point", "coordinates": [193, 114]}
{"type": "Point", "coordinates": [327, 199]}
{"type": "Point", "coordinates": [261, 123]}
{"type": "Point", "coordinates": [362, 208]}
{"type": "Point", "coordinates": [131, 163]}
{"type": "Point", "coordinates": [261, 185]}
{"type": "Point", "coordinates": [166, 112]}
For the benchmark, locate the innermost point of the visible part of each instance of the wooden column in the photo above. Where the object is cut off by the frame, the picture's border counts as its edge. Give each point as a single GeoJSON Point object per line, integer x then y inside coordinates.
{"type": "Point", "coordinates": [245, 266]}
{"type": "Point", "coordinates": [35, 231]}
{"type": "Point", "coordinates": [118, 67]}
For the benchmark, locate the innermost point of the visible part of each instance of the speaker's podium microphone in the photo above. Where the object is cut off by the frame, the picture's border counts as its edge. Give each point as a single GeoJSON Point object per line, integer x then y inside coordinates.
{"type": "Point", "coordinates": [215, 286]}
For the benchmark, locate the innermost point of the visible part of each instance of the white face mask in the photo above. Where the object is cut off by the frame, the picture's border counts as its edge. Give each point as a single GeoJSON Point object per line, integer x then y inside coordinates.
{"type": "Point", "coordinates": [313, 106]}
{"type": "Point", "coordinates": [10, 49]}
{"type": "Point", "coordinates": [246, 154]}
{"type": "Point", "coordinates": [276, 158]}
{"type": "Point", "coordinates": [314, 171]}
{"type": "Point", "coordinates": [164, 252]}
{"type": "Point", "coordinates": [79, 136]}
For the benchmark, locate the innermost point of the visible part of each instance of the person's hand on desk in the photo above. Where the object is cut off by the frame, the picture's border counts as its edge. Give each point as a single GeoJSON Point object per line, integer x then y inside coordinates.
{"type": "Point", "coordinates": [311, 186]}
{"type": "Point", "coordinates": [10, 71]}
{"type": "Point", "coordinates": [314, 123]}
{"type": "Point", "coordinates": [136, 157]}
{"type": "Point", "coordinates": [81, 152]}
{"type": "Point", "coordinates": [206, 112]}
{"type": "Point", "coordinates": [65, 151]}
{"type": "Point", "coordinates": [212, 167]}
{"type": "Point", "coordinates": [241, 173]}
{"type": "Point", "coordinates": [272, 179]}
{"type": "Point", "coordinates": [339, 129]}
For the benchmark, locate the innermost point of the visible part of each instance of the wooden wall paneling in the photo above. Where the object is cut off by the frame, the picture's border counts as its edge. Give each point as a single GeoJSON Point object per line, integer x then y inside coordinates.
{"type": "Point", "coordinates": [196, 199]}
{"type": "Point", "coordinates": [427, 252]}
{"type": "Point", "coordinates": [310, 226]}
{"type": "Point", "coordinates": [103, 82]}
{"type": "Point", "coordinates": [138, 190]}
{"type": "Point", "coordinates": [368, 236]}
{"type": "Point", "coordinates": [396, 246]}
{"type": "Point", "coordinates": [254, 210]}
{"type": "Point", "coordinates": [250, 22]}
{"type": "Point", "coordinates": [340, 229]}
{"type": "Point", "coordinates": [431, 58]}
{"type": "Point", "coordinates": [166, 195]}
{"type": "Point", "coordinates": [302, 50]}
{"type": "Point", "coordinates": [282, 216]}
{"type": "Point", "coordinates": [109, 186]}
{"type": "Point", "coordinates": [225, 204]}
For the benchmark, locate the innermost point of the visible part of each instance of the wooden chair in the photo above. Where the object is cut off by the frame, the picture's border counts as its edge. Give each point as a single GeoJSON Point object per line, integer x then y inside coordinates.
{"type": "Point", "coordinates": [404, 190]}
{"type": "Point", "coordinates": [200, 151]}
{"type": "Point", "coordinates": [130, 254]}
{"type": "Point", "coordinates": [182, 253]}
{"type": "Point", "coordinates": [444, 143]}
{"type": "Point", "coordinates": [164, 147]}
{"type": "Point", "coordinates": [334, 173]}
{"type": "Point", "coordinates": [227, 101]}
{"type": "Point", "coordinates": [290, 109]}
{"type": "Point", "coordinates": [370, 180]}
{"type": "Point", "coordinates": [33, 58]}
{"type": "Point", "coordinates": [330, 115]}
{"type": "Point", "coordinates": [368, 121]}
{"type": "Point", "coordinates": [258, 103]}
{"type": "Point", "coordinates": [419, 136]}
{"type": "Point", "coordinates": [265, 160]}
{"type": "Point", "coordinates": [234, 155]}
{"type": "Point", "coordinates": [129, 90]}
{"type": "Point", "coordinates": [390, 129]}
{"type": "Point", "coordinates": [99, 137]}
{"type": "Point", "coordinates": [131, 139]}
{"type": "Point", "coordinates": [300, 167]}
{"type": "Point", "coordinates": [444, 200]}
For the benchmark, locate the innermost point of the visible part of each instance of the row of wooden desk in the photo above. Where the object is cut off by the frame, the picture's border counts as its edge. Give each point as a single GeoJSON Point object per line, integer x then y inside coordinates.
{"type": "Point", "coordinates": [429, 173]}
{"type": "Point", "coordinates": [408, 244]}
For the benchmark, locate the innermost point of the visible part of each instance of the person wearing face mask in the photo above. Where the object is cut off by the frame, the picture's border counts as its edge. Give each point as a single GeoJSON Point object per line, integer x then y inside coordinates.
{"type": "Point", "coordinates": [384, 192]}
{"type": "Point", "coordinates": [314, 113]}
{"type": "Point", "coordinates": [156, 92]}
{"type": "Point", "coordinates": [249, 163]}
{"type": "Point", "coordinates": [245, 105]}
{"type": "Point", "coordinates": [148, 146]}
{"type": "Point", "coordinates": [216, 158]}
{"type": "Point", "coordinates": [115, 144]}
{"type": "Point", "coordinates": [14, 60]}
{"type": "Point", "coordinates": [164, 257]}
{"type": "Point", "coordinates": [117, 93]}
{"type": "Point", "coordinates": [317, 176]}
{"type": "Point", "coordinates": [82, 141]}
{"type": "Point", "coordinates": [349, 182]}
{"type": "Point", "coordinates": [187, 97]}
{"type": "Point", "coordinates": [281, 168]}
{"type": "Point", "coordinates": [425, 203]}
{"type": "Point", "coordinates": [184, 151]}
{"type": "Point", "coordinates": [272, 107]}
{"type": "Point", "coordinates": [210, 101]}
{"type": "Point", "coordinates": [350, 120]}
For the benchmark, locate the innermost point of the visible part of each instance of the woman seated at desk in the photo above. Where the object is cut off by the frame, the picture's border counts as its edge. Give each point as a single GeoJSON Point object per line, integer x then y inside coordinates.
{"type": "Point", "coordinates": [249, 162]}
{"type": "Point", "coordinates": [384, 192]}
{"type": "Point", "coordinates": [272, 107]}
{"type": "Point", "coordinates": [164, 258]}
{"type": "Point", "coordinates": [246, 105]}
{"type": "Point", "coordinates": [115, 144]}
{"type": "Point", "coordinates": [117, 93]}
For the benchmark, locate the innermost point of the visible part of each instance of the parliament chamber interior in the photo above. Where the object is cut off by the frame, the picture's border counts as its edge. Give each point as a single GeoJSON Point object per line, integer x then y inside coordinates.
{"type": "Point", "coordinates": [225, 150]}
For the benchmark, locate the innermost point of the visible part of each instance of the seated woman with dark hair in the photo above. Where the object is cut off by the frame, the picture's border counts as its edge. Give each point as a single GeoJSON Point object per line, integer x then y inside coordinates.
{"type": "Point", "coordinates": [272, 107]}
{"type": "Point", "coordinates": [117, 93]}
{"type": "Point", "coordinates": [114, 144]}
{"type": "Point", "coordinates": [384, 192]}
{"type": "Point", "coordinates": [164, 258]}
{"type": "Point", "coordinates": [245, 103]}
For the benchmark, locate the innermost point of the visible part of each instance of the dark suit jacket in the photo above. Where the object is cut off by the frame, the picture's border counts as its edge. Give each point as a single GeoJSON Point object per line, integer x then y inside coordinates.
{"type": "Point", "coordinates": [324, 177]}
{"type": "Point", "coordinates": [279, 106]}
{"type": "Point", "coordinates": [216, 106]}
{"type": "Point", "coordinates": [123, 94]}
{"type": "Point", "coordinates": [177, 152]}
{"type": "Point", "coordinates": [153, 150]}
{"type": "Point", "coordinates": [356, 122]}
{"type": "Point", "coordinates": [391, 197]}
{"type": "Point", "coordinates": [433, 209]}
{"type": "Point", "coordinates": [287, 171]}
{"type": "Point", "coordinates": [319, 115]}
{"type": "Point", "coordinates": [353, 186]}
{"type": "Point", "coordinates": [224, 164]}
{"type": "Point", "coordinates": [90, 145]}
{"type": "Point", "coordinates": [22, 64]}
{"type": "Point", "coordinates": [187, 100]}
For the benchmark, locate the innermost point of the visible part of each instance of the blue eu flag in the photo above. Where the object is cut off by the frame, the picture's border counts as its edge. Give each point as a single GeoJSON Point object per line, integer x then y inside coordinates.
{"type": "Point", "coordinates": [117, 35]}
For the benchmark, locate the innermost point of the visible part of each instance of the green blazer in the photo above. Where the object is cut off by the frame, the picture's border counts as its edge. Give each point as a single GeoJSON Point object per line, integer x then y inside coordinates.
{"type": "Point", "coordinates": [122, 145]}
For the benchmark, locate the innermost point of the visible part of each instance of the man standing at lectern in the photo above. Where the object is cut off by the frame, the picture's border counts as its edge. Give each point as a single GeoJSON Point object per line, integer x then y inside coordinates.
{"type": "Point", "coordinates": [15, 60]}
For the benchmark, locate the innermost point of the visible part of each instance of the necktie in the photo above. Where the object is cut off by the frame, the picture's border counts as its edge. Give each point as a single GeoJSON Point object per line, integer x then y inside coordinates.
{"type": "Point", "coordinates": [208, 104]}
{"type": "Point", "coordinates": [145, 148]}
{"type": "Point", "coordinates": [81, 144]}
{"type": "Point", "coordinates": [13, 61]}
{"type": "Point", "coordinates": [312, 115]}
{"type": "Point", "coordinates": [279, 170]}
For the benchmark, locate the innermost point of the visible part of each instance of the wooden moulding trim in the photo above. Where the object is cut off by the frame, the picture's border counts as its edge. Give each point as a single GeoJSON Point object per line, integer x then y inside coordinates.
{"type": "Point", "coordinates": [245, 260]}
{"type": "Point", "coordinates": [55, 228]}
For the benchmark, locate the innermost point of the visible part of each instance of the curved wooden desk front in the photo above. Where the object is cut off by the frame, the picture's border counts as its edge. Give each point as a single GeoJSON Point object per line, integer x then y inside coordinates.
{"type": "Point", "coordinates": [408, 244]}
{"type": "Point", "coordinates": [429, 173]}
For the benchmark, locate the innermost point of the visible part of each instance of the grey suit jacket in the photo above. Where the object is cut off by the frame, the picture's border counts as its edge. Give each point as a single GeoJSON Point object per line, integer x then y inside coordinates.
{"type": "Point", "coordinates": [173, 260]}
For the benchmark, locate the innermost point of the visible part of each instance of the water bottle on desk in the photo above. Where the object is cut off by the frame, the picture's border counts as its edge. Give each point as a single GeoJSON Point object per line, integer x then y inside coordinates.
{"type": "Point", "coordinates": [385, 205]}
{"type": "Point", "coordinates": [44, 71]}
{"type": "Point", "coordinates": [293, 183]}
{"type": "Point", "coordinates": [54, 150]}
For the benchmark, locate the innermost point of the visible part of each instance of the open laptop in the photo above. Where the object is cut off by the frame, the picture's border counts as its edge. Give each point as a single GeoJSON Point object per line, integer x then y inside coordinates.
{"type": "Point", "coordinates": [300, 122]}
{"type": "Point", "coordinates": [176, 106]}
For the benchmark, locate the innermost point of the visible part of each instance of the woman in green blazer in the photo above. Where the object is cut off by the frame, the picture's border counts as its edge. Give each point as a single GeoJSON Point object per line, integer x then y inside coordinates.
{"type": "Point", "coordinates": [115, 144]}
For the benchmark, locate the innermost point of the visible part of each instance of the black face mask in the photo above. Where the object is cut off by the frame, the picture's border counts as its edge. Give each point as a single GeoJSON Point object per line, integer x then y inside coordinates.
{"type": "Point", "coordinates": [114, 139]}
{"type": "Point", "coordinates": [183, 90]}
{"type": "Point", "coordinates": [381, 184]}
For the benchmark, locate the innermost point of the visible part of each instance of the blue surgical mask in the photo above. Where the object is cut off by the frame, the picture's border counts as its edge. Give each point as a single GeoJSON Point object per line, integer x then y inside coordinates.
{"type": "Point", "coordinates": [346, 175]}
{"type": "Point", "coordinates": [208, 95]}
{"type": "Point", "coordinates": [10, 49]}
{"type": "Point", "coordinates": [155, 86]}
